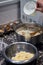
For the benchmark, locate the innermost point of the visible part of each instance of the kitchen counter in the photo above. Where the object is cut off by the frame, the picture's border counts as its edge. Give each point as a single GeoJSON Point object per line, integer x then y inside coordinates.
{"type": "Point", "coordinates": [4, 2]}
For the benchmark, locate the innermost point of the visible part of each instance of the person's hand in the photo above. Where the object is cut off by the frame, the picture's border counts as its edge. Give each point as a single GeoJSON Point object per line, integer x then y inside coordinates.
{"type": "Point", "coordinates": [39, 5]}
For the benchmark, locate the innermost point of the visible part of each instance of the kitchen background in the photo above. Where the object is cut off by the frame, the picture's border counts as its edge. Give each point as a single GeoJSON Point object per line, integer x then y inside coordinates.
{"type": "Point", "coordinates": [10, 10]}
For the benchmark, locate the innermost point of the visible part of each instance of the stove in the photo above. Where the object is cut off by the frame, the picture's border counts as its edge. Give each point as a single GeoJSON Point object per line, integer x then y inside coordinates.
{"type": "Point", "coordinates": [9, 39]}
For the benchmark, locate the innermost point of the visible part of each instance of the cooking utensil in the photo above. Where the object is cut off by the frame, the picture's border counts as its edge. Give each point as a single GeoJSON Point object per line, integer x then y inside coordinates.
{"type": "Point", "coordinates": [28, 26]}
{"type": "Point", "coordinates": [12, 49]}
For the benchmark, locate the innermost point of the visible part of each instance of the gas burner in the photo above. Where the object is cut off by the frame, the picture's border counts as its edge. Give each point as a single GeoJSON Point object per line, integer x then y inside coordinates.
{"type": "Point", "coordinates": [7, 40]}
{"type": "Point", "coordinates": [10, 38]}
{"type": "Point", "coordinates": [40, 59]}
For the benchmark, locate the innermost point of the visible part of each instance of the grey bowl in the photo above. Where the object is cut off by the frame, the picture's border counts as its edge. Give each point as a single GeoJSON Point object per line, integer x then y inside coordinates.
{"type": "Point", "coordinates": [12, 49]}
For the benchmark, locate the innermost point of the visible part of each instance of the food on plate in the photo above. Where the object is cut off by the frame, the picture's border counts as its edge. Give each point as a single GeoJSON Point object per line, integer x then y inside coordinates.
{"type": "Point", "coordinates": [22, 55]}
{"type": "Point", "coordinates": [38, 33]}
{"type": "Point", "coordinates": [26, 33]}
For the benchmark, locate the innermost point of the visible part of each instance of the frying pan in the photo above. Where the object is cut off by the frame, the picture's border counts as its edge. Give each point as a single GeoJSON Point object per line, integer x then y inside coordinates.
{"type": "Point", "coordinates": [15, 47]}
{"type": "Point", "coordinates": [30, 26]}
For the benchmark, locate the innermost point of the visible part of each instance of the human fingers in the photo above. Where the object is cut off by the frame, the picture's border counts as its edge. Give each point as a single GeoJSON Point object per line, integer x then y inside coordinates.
{"type": "Point", "coordinates": [39, 9]}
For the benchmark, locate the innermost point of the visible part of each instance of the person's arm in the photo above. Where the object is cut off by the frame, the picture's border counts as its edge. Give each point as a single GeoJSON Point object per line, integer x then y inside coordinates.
{"type": "Point", "coordinates": [39, 5]}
